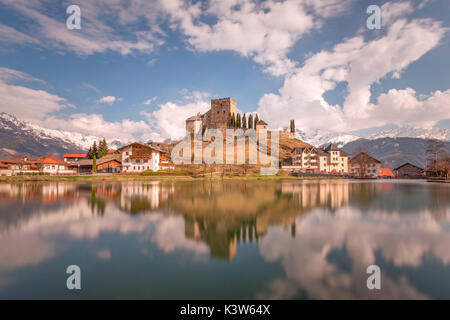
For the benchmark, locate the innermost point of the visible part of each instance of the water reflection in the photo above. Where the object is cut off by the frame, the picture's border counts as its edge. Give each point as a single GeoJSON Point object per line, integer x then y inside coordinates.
{"type": "Point", "coordinates": [299, 239]}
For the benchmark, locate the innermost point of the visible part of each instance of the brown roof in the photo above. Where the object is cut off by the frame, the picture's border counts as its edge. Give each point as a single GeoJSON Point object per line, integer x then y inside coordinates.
{"type": "Point", "coordinates": [368, 155]}
{"type": "Point", "coordinates": [407, 163]}
{"type": "Point", "coordinates": [49, 160]}
{"type": "Point", "coordinates": [140, 144]}
{"type": "Point", "coordinates": [75, 155]}
{"type": "Point", "coordinates": [261, 122]}
{"type": "Point", "coordinates": [13, 160]}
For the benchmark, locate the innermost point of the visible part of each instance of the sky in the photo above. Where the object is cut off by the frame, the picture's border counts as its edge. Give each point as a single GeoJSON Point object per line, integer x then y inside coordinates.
{"type": "Point", "coordinates": [138, 68]}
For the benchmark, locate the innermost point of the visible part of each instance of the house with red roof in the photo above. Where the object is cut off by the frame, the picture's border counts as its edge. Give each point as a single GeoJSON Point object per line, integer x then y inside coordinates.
{"type": "Point", "coordinates": [52, 165]}
{"type": "Point", "coordinates": [386, 173]}
{"type": "Point", "coordinates": [73, 157]}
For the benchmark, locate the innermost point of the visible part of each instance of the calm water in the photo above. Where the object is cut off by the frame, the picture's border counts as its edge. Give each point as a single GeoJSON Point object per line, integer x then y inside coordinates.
{"type": "Point", "coordinates": [238, 240]}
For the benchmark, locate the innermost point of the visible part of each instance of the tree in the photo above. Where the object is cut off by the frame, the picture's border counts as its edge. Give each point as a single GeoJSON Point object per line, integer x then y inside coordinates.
{"type": "Point", "coordinates": [256, 120]}
{"type": "Point", "coordinates": [244, 122]}
{"type": "Point", "coordinates": [230, 121]}
{"type": "Point", "coordinates": [238, 124]}
{"type": "Point", "coordinates": [292, 126]}
{"type": "Point", "coordinates": [250, 121]}
{"type": "Point", "coordinates": [103, 148]}
{"type": "Point", "coordinates": [234, 121]}
{"type": "Point", "coordinates": [94, 164]}
{"type": "Point", "coordinates": [435, 154]}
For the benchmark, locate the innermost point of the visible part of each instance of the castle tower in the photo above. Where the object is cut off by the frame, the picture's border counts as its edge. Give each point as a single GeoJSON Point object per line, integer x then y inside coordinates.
{"type": "Point", "coordinates": [219, 115]}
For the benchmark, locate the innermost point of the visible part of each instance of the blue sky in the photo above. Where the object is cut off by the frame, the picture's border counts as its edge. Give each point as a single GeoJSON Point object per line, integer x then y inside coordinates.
{"type": "Point", "coordinates": [312, 61]}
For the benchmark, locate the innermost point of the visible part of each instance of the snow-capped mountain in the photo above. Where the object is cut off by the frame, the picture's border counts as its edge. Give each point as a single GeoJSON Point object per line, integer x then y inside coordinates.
{"type": "Point", "coordinates": [409, 132]}
{"type": "Point", "coordinates": [20, 137]}
{"type": "Point", "coordinates": [320, 138]}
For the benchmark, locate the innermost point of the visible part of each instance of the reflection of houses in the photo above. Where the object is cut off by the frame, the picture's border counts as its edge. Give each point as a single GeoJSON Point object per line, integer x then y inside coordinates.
{"type": "Point", "coordinates": [138, 197]}
{"type": "Point", "coordinates": [408, 170]}
{"type": "Point", "coordinates": [328, 160]}
{"type": "Point", "coordinates": [309, 195]}
{"type": "Point", "coordinates": [364, 165]}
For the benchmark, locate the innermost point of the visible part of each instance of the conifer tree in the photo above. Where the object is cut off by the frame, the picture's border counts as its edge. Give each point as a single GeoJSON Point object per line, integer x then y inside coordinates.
{"type": "Point", "coordinates": [244, 122]}
{"type": "Point", "coordinates": [256, 120]}
{"type": "Point", "coordinates": [238, 124]}
{"type": "Point", "coordinates": [94, 164]}
{"type": "Point", "coordinates": [250, 121]}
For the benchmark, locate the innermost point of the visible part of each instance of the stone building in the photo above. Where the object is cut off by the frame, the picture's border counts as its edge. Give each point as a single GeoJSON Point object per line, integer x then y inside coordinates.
{"type": "Point", "coordinates": [261, 125]}
{"type": "Point", "coordinates": [218, 117]}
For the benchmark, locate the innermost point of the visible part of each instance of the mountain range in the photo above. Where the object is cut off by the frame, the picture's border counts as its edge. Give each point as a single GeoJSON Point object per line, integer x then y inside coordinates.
{"type": "Point", "coordinates": [391, 147]}
{"type": "Point", "coordinates": [21, 138]}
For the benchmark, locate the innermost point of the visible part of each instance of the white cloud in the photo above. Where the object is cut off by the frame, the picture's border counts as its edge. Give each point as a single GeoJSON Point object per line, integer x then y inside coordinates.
{"type": "Point", "coordinates": [265, 31]}
{"type": "Point", "coordinates": [10, 75]}
{"type": "Point", "coordinates": [149, 101]}
{"type": "Point", "coordinates": [102, 25]}
{"type": "Point", "coordinates": [27, 103]}
{"type": "Point", "coordinates": [108, 100]}
{"type": "Point", "coordinates": [170, 118]}
{"type": "Point", "coordinates": [360, 64]}
{"type": "Point", "coordinates": [11, 35]}
{"type": "Point", "coordinates": [96, 125]}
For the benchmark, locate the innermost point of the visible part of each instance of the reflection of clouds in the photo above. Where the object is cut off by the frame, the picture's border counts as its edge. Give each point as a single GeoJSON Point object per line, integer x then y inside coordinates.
{"type": "Point", "coordinates": [402, 240]}
{"type": "Point", "coordinates": [169, 235]}
{"type": "Point", "coordinates": [39, 238]}
{"type": "Point", "coordinates": [104, 254]}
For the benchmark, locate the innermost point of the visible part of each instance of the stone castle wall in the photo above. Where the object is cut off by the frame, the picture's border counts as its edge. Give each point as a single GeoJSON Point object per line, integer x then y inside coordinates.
{"type": "Point", "coordinates": [219, 115]}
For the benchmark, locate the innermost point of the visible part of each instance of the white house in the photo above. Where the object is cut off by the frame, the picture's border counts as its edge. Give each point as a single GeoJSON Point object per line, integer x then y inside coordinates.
{"type": "Point", "coordinates": [328, 160]}
{"type": "Point", "coordinates": [138, 157]}
{"type": "Point", "coordinates": [52, 165]}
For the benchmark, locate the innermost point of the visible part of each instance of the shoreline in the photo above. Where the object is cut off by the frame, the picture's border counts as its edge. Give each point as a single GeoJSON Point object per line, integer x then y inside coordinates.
{"type": "Point", "coordinates": [123, 178]}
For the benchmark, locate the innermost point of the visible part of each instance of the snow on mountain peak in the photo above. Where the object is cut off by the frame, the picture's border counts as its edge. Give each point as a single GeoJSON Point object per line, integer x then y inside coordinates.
{"type": "Point", "coordinates": [9, 122]}
{"type": "Point", "coordinates": [410, 132]}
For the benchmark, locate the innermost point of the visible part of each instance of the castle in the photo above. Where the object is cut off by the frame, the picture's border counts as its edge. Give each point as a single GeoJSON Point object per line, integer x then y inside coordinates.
{"type": "Point", "coordinates": [218, 117]}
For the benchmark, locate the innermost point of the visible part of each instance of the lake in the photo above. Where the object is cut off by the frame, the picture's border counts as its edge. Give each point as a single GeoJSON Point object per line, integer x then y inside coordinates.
{"type": "Point", "coordinates": [262, 239]}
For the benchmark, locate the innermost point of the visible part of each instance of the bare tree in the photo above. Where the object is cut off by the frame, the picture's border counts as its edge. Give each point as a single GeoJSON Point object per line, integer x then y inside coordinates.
{"type": "Point", "coordinates": [436, 156]}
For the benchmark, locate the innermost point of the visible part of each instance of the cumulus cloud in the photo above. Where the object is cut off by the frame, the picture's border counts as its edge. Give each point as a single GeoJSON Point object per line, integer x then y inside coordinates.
{"type": "Point", "coordinates": [27, 103]}
{"type": "Point", "coordinates": [360, 64]}
{"type": "Point", "coordinates": [170, 117]}
{"type": "Point", "coordinates": [108, 100]}
{"type": "Point", "coordinates": [95, 124]}
{"type": "Point", "coordinates": [264, 31]}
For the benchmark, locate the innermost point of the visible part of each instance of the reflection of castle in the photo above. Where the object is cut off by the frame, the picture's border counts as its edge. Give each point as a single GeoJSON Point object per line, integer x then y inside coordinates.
{"type": "Point", "coordinates": [221, 238]}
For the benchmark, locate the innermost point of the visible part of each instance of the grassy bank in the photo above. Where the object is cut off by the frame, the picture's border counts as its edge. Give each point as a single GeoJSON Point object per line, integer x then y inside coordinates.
{"type": "Point", "coordinates": [155, 177]}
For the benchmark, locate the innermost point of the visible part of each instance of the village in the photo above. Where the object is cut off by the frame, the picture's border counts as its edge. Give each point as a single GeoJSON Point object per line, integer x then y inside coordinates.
{"type": "Point", "coordinates": [153, 157]}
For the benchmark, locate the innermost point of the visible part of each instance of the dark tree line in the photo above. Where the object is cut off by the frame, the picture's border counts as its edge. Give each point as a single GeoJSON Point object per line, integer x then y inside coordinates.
{"type": "Point", "coordinates": [243, 122]}
{"type": "Point", "coordinates": [98, 151]}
